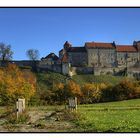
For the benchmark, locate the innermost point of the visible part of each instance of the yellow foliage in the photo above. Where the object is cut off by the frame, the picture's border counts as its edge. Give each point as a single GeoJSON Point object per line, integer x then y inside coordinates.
{"type": "Point", "coordinates": [90, 89]}
{"type": "Point", "coordinates": [92, 92]}
{"type": "Point", "coordinates": [102, 86]}
{"type": "Point", "coordinates": [137, 90]}
{"type": "Point", "coordinates": [59, 86]}
{"type": "Point", "coordinates": [13, 83]}
{"type": "Point", "coordinates": [73, 89]}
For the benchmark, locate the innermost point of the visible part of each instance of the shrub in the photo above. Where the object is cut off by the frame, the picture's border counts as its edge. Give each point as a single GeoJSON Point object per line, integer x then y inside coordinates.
{"type": "Point", "coordinates": [72, 89]}
{"type": "Point", "coordinates": [92, 92]}
{"type": "Point", "coordinates": [59, 93]}
{"type": "Point", "coordinates": [107, 94]}
{"type": "Point", "coordinates": [70, 115]}
{"type": "Point", "coordinates": [23, 118]}
{"type": "Point", "coordinates": [124, 90]}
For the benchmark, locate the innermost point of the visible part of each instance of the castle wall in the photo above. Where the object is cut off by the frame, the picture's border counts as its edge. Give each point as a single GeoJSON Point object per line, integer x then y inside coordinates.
{"type": "Point", "coordinates": [101, 57]}
{"type": "Point", "coordinates": [77, 58]}
{"type": "Point", "coordinates": [47, 61]}
{"type": "Point", "coordinates": [57, 68]}
{"type": "Point", "coordinates": [65, 68]}
{"type": "Point", "coordinates": [54, 67]}
{"type": "Point", "coordinates": [135, 73]}
{"type": "Point", "coordinates": [132, 58]}
{"type": "Point", "coordinates": [24, 62]}
{"type": "Point", "coordinates": [82, 70]}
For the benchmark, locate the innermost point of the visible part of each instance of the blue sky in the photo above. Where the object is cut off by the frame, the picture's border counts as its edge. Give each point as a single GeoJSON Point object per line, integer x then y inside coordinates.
{"type": "Point", "coordinates": [46, 29]}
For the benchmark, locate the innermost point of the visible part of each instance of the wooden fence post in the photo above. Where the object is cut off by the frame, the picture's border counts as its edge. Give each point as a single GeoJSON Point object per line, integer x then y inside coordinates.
{"type": "Point", "coordinates": [72, 103]}
{"type": "Point", "coordinates": [20, 106]}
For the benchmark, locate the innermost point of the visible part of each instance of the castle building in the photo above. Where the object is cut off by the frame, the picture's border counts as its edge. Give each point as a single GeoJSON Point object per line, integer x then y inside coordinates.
{"type": "Point", "coordinates": [97, 54]}
{"type": "Point", "coordinates": [100, 54]}
{"type": "Point", "coordinates": [94, 55]}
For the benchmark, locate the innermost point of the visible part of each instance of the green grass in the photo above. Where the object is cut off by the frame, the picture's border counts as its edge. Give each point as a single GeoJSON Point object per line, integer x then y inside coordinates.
{"type": "Point", "coordinates": [125, 103]}
{"type": "Point", "coordinates": [50, 77]}
{"type": "Point", "coordinates": [90, 78]}
{"type": "Point", "coordinates": [121, 116]}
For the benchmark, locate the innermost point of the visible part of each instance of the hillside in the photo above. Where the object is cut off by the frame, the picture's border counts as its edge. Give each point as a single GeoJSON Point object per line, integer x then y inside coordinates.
{"type": "Point", "coordinates": [51, 77]}
{"type": "Point", "coordinates": [46, 83]}
{"type": "Point", "coordinates": [90, 78]}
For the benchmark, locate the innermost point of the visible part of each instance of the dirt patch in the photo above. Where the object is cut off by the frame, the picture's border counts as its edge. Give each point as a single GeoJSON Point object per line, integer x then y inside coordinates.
{"type": "Point", "coordinates": [40, 121]}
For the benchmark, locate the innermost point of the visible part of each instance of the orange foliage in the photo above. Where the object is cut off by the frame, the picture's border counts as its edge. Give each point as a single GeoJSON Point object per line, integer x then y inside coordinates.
{"type": "Point", "coordinates": [73, 89]}
{"type": "Point", "coordinates": [14, 84]}
{"type": "Point", "coordinates": [92, 92]}
{"type": "Point", "coordinates": [59, 86]}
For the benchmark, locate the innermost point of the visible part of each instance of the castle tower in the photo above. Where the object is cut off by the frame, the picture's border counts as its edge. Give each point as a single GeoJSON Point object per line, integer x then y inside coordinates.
{"type": "Point", "coordinates": [63, 51]}
{"type": "Point", "coordinates": [137, 45]}
{"type": "Point", "coordinates": [116, 61]}
{"type": "Point", "coordinates": [67, 45]}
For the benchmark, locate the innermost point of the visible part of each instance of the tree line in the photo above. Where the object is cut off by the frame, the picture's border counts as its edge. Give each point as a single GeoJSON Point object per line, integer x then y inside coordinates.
{"type": "Point", "coordinates": [89, 93]}
{"type": "Point", "coordinates": [19, 83]}
{"type": "Point", "coordinates": [6, 54]}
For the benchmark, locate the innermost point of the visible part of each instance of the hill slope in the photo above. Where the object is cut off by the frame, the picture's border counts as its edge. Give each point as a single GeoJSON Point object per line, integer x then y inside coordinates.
{"type": "Point", "coordinates": [50, 77]}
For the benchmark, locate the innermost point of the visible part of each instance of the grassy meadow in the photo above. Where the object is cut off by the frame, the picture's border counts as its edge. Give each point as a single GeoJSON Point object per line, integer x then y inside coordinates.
{"type": "Point", "coordinates": [122, 116]}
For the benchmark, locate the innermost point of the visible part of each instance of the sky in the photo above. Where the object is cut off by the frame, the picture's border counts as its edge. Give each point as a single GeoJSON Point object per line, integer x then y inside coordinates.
{"type": "Point", "coordinates": [47, 29]}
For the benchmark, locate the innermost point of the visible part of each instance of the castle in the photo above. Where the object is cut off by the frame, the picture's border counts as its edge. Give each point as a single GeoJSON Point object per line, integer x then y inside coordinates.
{"type": "Point", "coordinates": [96, 58]}
{"type": "Point", "coordinates": [93, 57]}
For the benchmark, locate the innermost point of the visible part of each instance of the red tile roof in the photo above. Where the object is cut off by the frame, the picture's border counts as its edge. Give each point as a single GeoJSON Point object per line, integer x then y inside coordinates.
{"type": "Point", "coordinates": [125, 48]}
{"type": "Point", "coordinates": [99, 45]}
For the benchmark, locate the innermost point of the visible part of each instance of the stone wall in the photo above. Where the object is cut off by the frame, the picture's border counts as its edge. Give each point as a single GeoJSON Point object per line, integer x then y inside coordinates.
{"type": "Point", "coordinates": [81, 70]}
{"type": "Point", "coordinates": [132, 58]}
{"type": "Point", "coordinates": [65, 68]}
{"type": "Point", "coordinates": [134, 72]}
{"type": "Point", "coordinates": [105, 71]}
{"type": "Point", "coordinates": [55, 68]}
{"type": "Point", "coordinates": [77, 58]}
{"type": "Point", "coordinates": [101, 57]}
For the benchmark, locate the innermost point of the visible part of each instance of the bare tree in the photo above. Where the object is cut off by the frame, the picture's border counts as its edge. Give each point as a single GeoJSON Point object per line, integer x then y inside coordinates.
{"type": "Point", "coordinates": [33, 55]}
{"type": "Point", "coordinates": [5, 53]}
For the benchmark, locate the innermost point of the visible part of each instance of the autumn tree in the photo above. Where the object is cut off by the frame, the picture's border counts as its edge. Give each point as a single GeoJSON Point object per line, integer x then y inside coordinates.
{"type": "Point", "coordinates": [137, 92]}
{"type": "Point", "coordinates": [33, 55]}
{"type": "Point", "coordinates": [14, 84]}
{"type": "Point", "coordinates": [86, 93]}
{"type": "Point", "coordinates": [92, 92]}
{"type": "Point", "coordinates": [124, 90]}
{"type": "Point", "coordinates": [59, 92]}
{"type": "Point", "coordinates": [5, 53]}
{"type": "Point", "coordinates": [72, 89]}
